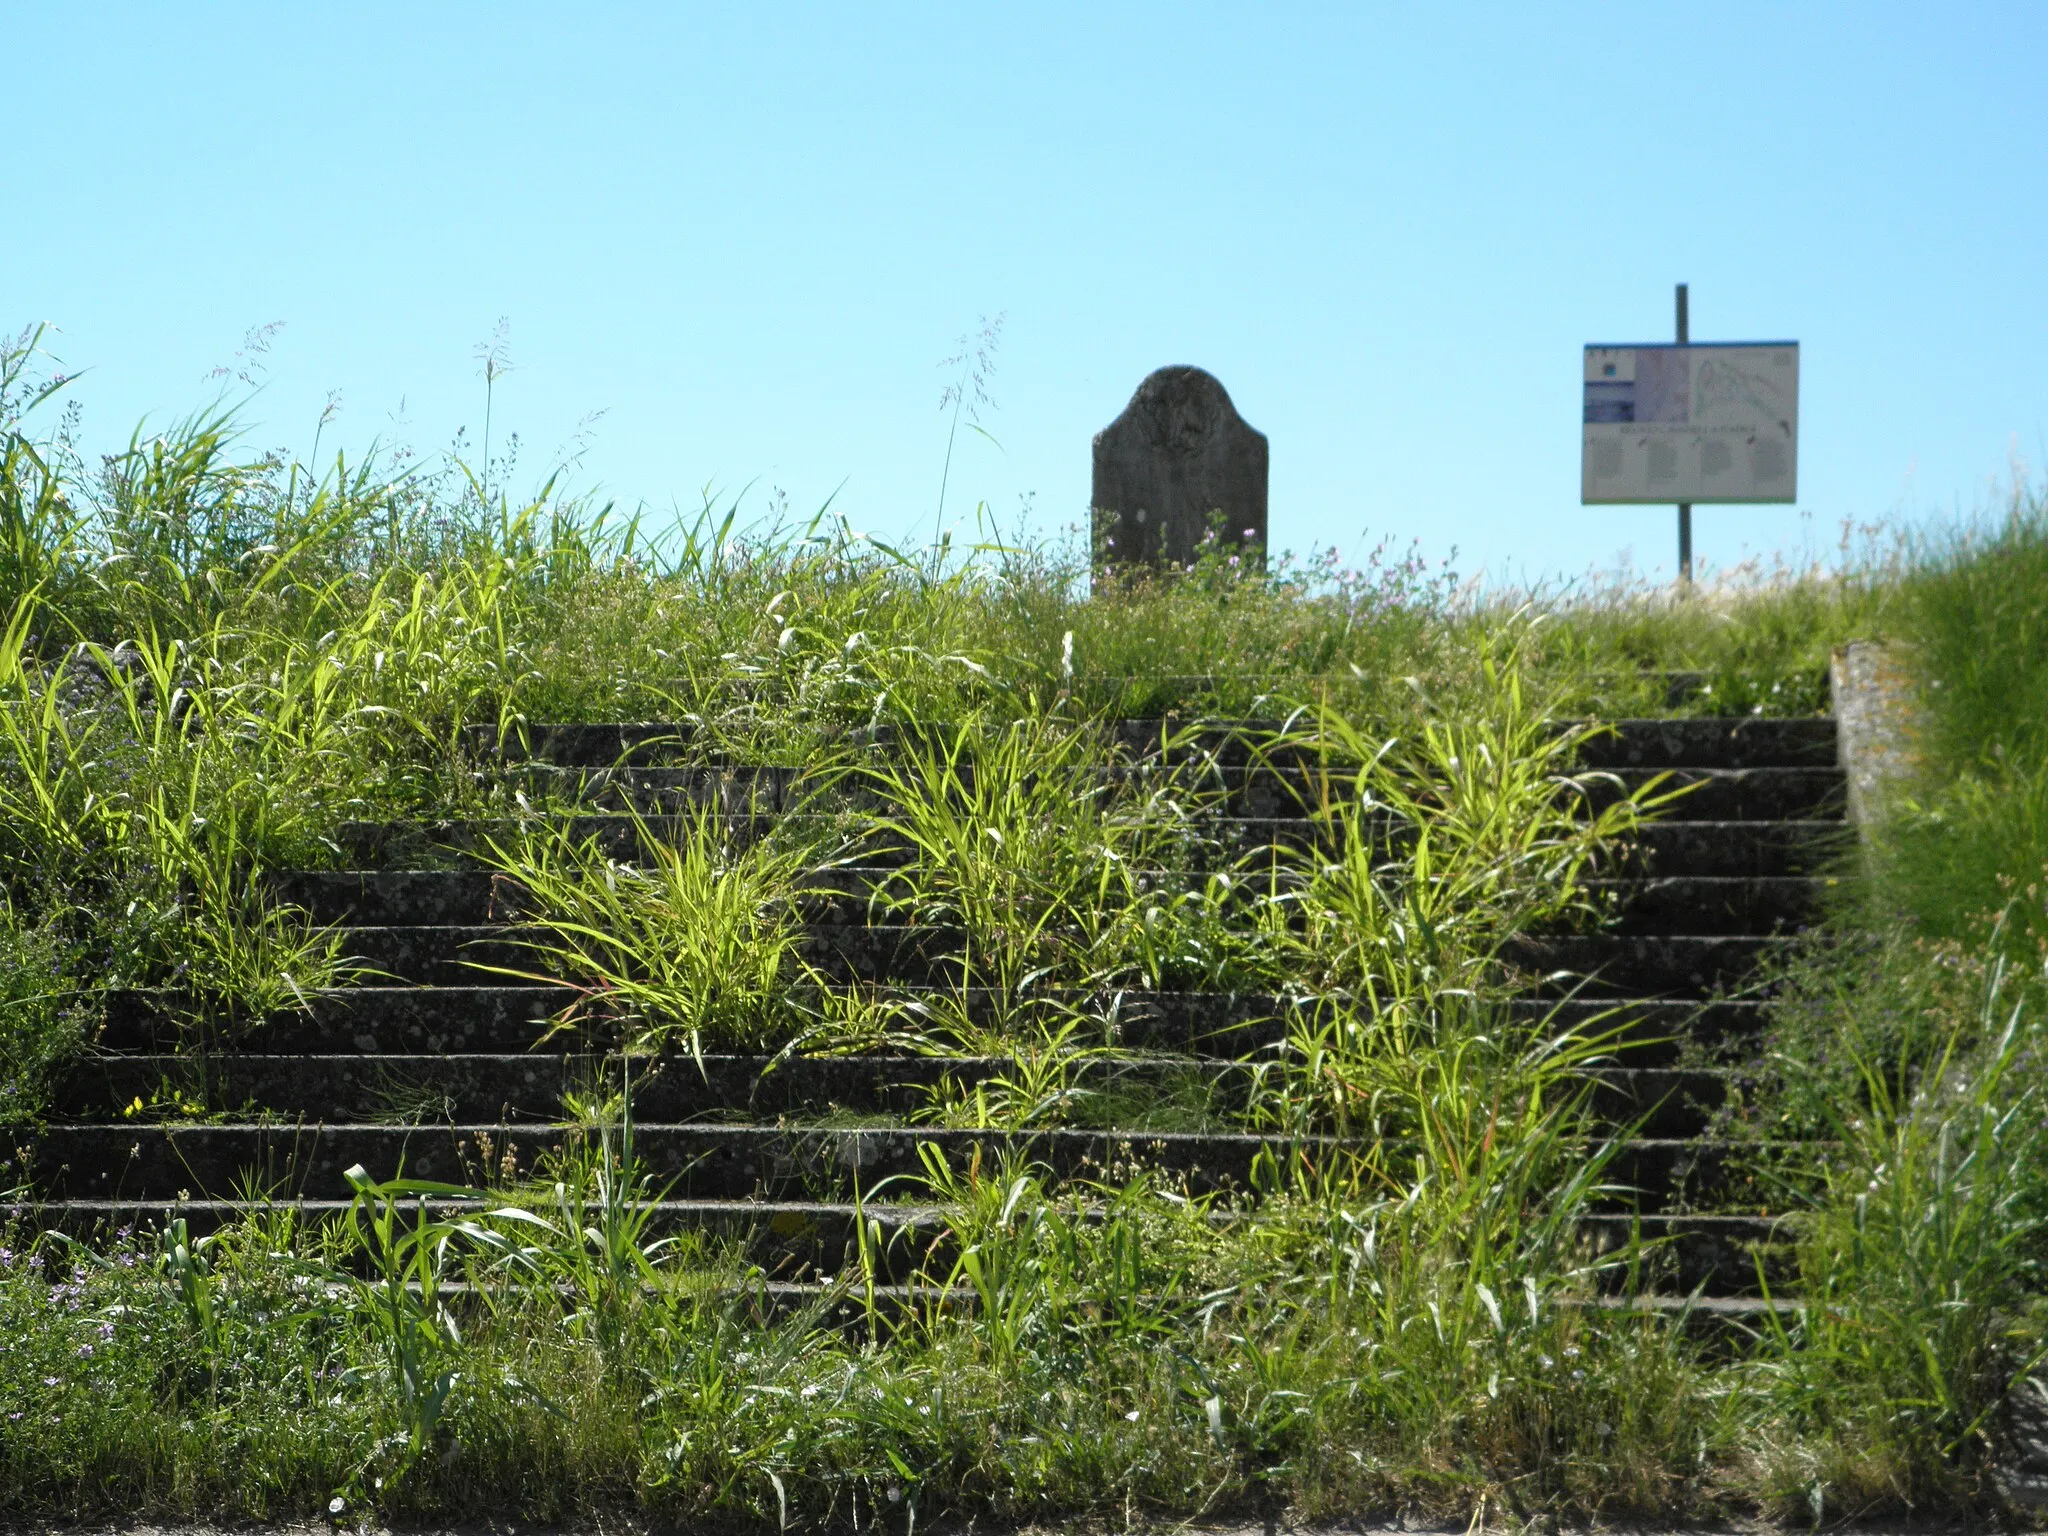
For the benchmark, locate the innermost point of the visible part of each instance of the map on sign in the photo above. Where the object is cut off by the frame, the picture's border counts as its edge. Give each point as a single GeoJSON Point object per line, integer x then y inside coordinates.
{"type": "Point", "coordinates": [1700, 423]}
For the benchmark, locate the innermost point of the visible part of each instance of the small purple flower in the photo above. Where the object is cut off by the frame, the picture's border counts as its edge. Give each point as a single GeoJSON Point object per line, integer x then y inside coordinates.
{"type": "Point", "coordinates": [52, 1381]}
{"type": "Point", "coordinates": [107, 1330]}
{"type": "Point", "coordinates": [85, 1351]}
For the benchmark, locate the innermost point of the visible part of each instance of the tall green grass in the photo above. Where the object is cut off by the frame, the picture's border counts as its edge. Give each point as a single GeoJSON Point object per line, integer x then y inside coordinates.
{"type": "Point", "coordinates": [1907, 1044]}
{"type": "Point", "coordinates": [214, 662]}
{"type": "Point", "coordinates": [693, 942]}
{"type": "Point", "coordinates": [1920, 1266]}
{"type": "Point", "coordinates": [1972, 845]}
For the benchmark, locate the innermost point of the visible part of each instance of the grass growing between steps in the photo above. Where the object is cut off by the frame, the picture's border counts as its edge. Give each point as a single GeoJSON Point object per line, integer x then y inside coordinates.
{"type": "Point", "coordinates": [691, 943]}
{"type": "Point", "coordinates": [219, 664]}
{"type": "Point", "coordinates": [218, 660]}
{"type": "Point", "coordinates": [1418, 1343]}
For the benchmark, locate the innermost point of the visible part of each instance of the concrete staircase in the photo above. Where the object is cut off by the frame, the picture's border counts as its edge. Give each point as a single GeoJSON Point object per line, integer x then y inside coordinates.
{"type": "Point", "coordinates": [446, 1074]}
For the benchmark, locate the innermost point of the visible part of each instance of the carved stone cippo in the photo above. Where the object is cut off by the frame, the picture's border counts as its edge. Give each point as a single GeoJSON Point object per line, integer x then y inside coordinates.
{"type": "Point", "coordinates": [1178, 465]}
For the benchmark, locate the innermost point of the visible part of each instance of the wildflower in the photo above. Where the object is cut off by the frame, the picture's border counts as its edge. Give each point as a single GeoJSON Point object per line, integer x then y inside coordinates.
{"type": "Point", "coordinates": [52, 1381]}
{"type": "Point", "coordinates": [1132, 1415]}
{"type": "Point", "coordinates": [85, 1351]}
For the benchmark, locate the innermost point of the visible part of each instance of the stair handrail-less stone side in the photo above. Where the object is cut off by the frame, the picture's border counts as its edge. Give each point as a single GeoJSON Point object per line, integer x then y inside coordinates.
{"type": "Point", "coordinates": [1877, 725]}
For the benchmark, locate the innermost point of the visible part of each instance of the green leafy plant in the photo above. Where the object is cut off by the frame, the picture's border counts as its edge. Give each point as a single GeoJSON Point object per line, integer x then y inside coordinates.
{"type": "Point", "coordinates": [1018, 839]}
{"type": "Point", "coordinates": [697, 943]}
{"type": "Point", "coordinates": [1920, 1266]}
{"type": "Point", "coordinates": [1445, 841]}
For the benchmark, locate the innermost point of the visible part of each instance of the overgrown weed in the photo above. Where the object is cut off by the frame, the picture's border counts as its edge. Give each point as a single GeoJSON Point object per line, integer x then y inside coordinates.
{"type": "Point", "coordinates": [214, 661]}
{"type": "Point", "coordinates": [694, 942]}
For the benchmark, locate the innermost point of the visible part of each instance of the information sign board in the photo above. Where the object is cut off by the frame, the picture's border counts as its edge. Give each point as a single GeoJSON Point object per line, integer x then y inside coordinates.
{"type": "Point", "coordinates": [1706, 422]}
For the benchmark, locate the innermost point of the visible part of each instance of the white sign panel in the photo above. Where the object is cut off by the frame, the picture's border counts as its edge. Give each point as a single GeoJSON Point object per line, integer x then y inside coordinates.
{"type": "Point", "coordinates": [1698, 423]}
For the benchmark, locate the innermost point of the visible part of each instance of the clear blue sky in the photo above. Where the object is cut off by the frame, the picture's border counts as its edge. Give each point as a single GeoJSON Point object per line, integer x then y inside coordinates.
{"type": "Point", "coordinates": [749, 234]}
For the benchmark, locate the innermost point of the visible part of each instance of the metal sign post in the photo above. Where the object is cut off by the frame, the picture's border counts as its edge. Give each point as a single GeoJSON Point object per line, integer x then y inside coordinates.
{"type": "Point", "coordinates": [1690, 423]}
{"type": "Point", "coordinates": [1684, 507]}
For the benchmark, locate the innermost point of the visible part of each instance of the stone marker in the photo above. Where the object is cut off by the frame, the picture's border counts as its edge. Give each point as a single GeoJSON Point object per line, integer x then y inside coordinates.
{"type": "Point", "coordinates": [1876, 726]}
{"type": "Point", "coordinates": [1177, 459]}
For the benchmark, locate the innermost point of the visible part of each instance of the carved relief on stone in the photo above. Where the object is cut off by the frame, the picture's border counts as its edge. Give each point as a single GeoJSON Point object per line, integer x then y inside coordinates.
{"type": "Point", "coordinates": [1177, 464]}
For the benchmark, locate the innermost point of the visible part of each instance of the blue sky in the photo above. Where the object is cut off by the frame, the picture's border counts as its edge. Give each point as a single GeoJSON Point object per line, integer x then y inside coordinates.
{"type": "Point", "coordinates": [748, 235]}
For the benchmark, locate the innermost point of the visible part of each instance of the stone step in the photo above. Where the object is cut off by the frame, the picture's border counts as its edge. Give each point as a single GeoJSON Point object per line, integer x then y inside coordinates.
{"type": "Point", "coordinates": [819, 1241]}
{"type": "Point", "coordinates": [1610, 965]}
{"type": "Point", "coordinates": [1131, 1093]}
{"type": "Point", "coordinates": [1722, 1255]}
{"type": "Point", "coordinates": [793, 1242]}
{"type": "Point", "coordinates": [1649, 1033]}
{"type": "Point", "coordinates": [452, 954]}
{"type": "Point", "coordinates": [534, 1086]}
{"type": "Point", "coordinates": [837, 895]}
{"type": "Point", "coordinates": [1711, 742]}
{"type": "Point", "coordinates": [501, 1020]}
{"type": "Point", "coordinates": [1731, 794]}
{"type": "Point", "coordinates": [1706, 742]}
{"type": "Point", "coordinates": [728, 1162]}
{"type": "Point", "coordinates": [1240, 791]}
{"type": "Point", "coordinates": [1733, 850]}
{"type": "Point", "coordinates": [1216, 790]}
{"type": "Point", "coordinates": [434, 1020]}
{"type": "Point", "coordinates": [156, 1162]}
{"type": "Point", "coordinates": [372, 1019]}
{"type": "Point", "coordinates": [467, 897]}
{"type": "Point", "coordinates": [398, 897]}
{"type": "Point", "coordinates": [1720, 849]}
{"type": "Point", "coordinates": [1666, 966]}
{"type": "Point", "coordinates": [1678, 904]}
{"type": "Point", "coordinates": [656, 743]}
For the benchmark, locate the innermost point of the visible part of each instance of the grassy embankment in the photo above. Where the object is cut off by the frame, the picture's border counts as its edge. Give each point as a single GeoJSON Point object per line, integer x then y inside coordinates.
{"type": "Point", "coordinates": [213, 662]}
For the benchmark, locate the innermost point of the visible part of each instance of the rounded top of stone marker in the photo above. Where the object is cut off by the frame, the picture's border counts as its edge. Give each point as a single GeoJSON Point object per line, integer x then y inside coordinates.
{"type": "Point", "coordinates": [1180, 407]}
